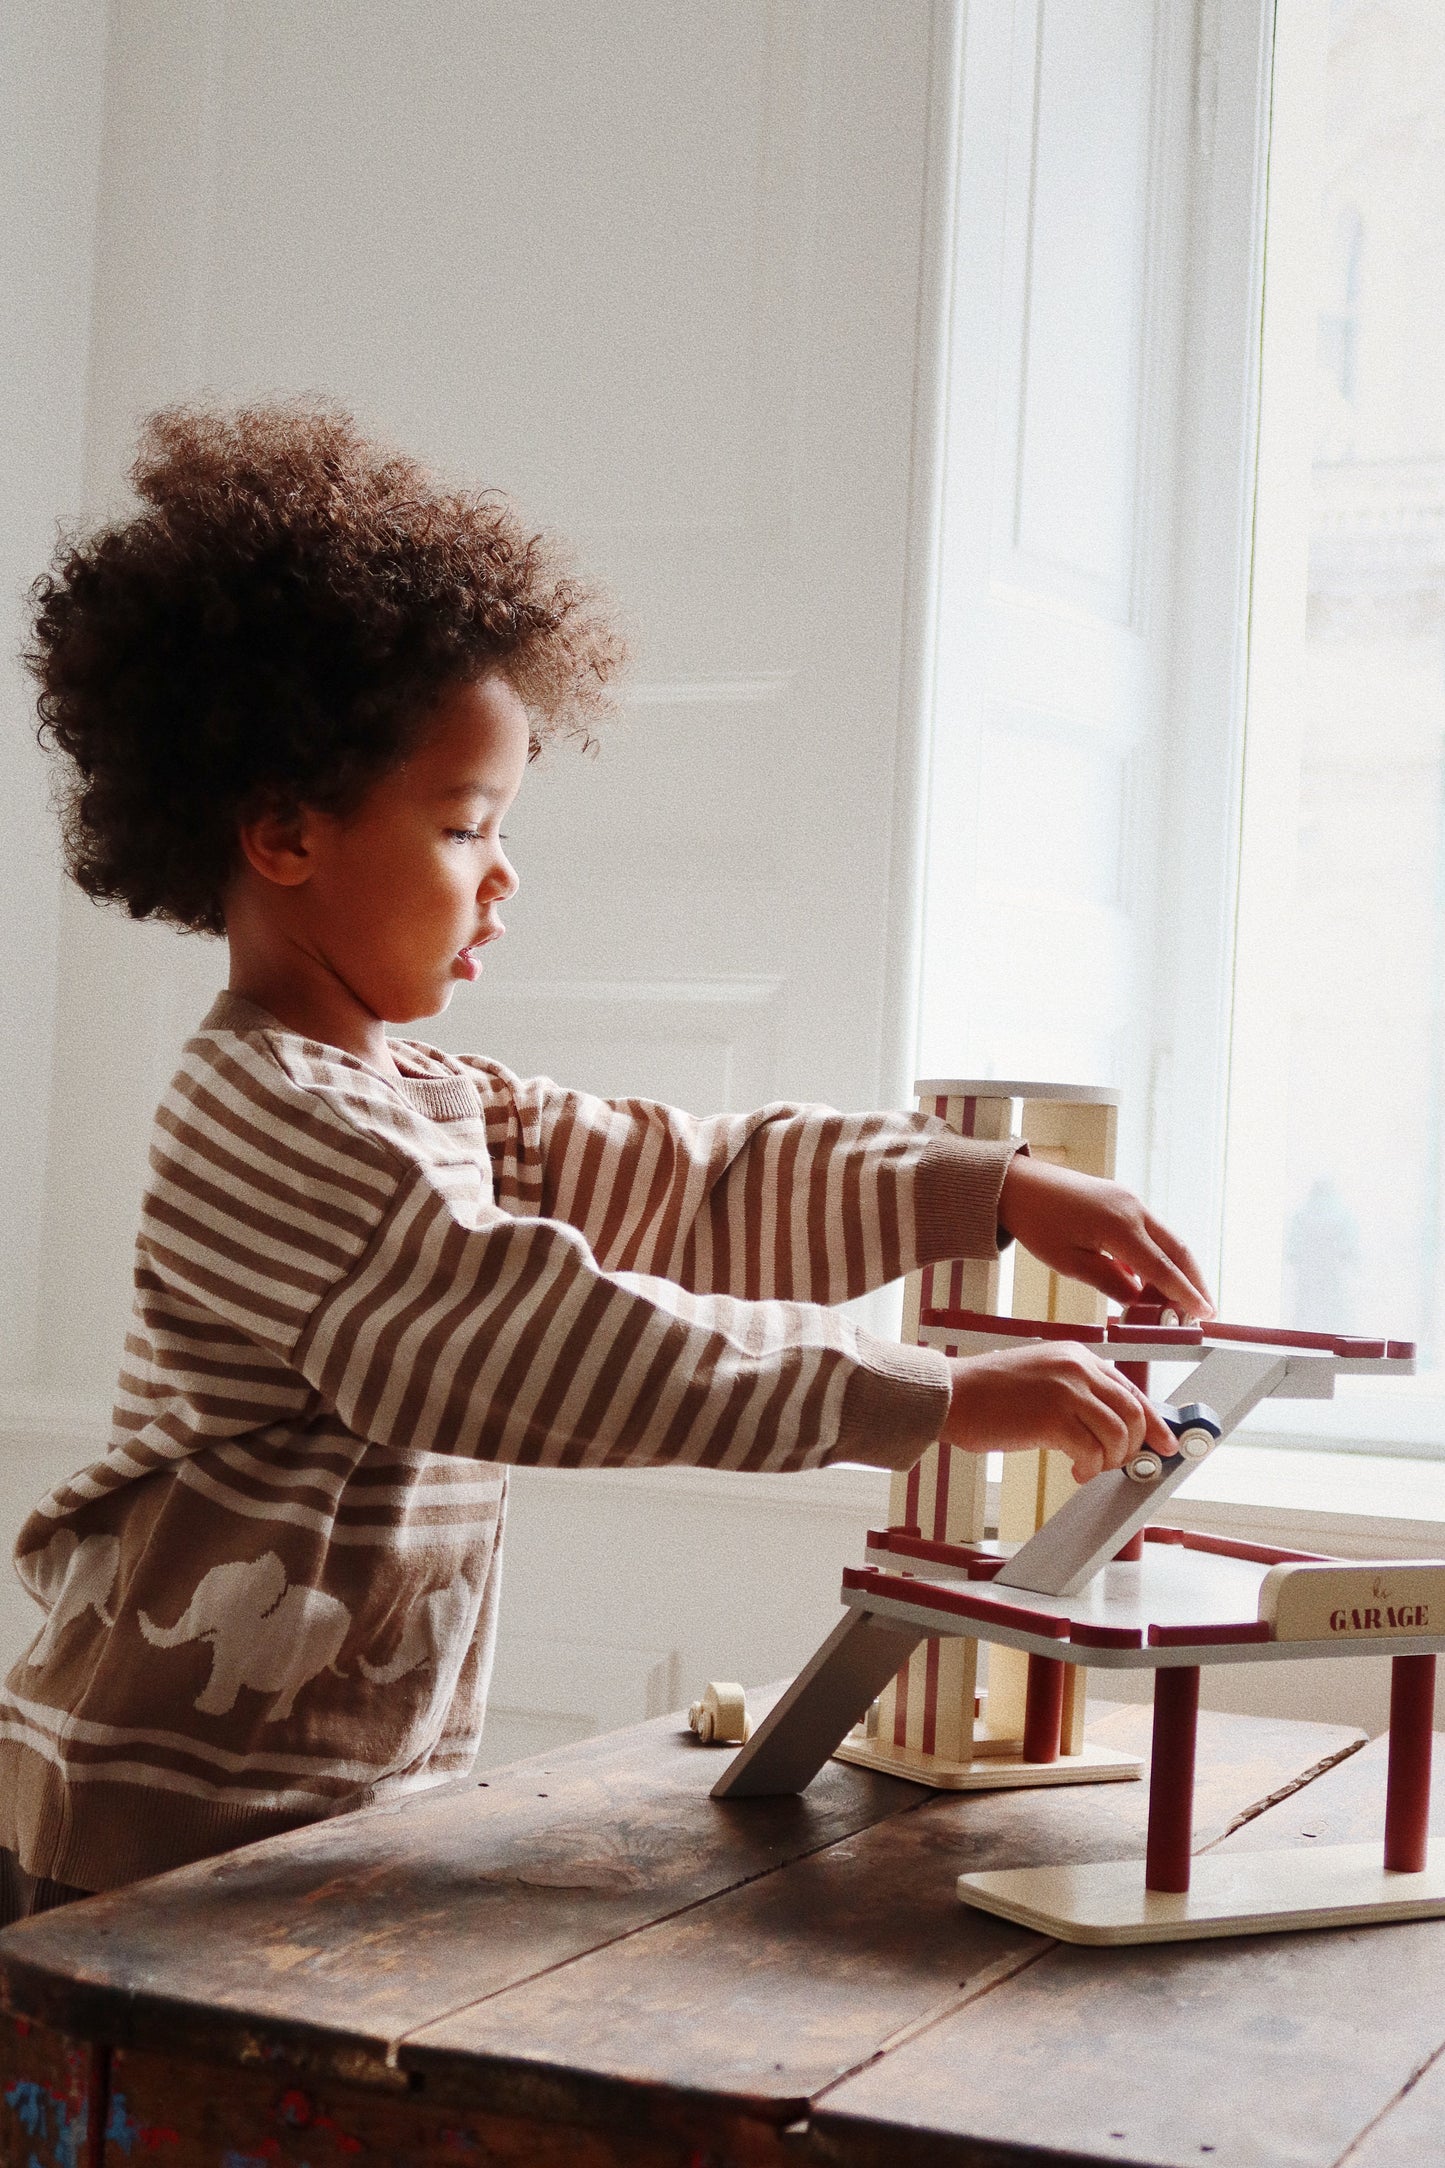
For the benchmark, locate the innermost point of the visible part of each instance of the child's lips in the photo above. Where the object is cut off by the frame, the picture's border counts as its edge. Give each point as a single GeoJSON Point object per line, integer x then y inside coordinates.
{"type": "Point", "coordinates": [469, 959]}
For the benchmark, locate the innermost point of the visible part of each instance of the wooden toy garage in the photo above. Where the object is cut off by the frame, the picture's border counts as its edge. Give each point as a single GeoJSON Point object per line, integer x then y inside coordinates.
{"type": "Point", "coordinates": [1078, 1581]}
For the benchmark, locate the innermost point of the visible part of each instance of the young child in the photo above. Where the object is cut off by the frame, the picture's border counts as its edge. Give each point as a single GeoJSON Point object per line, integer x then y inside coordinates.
{"type": "Point", "coordinates": [294, 696]}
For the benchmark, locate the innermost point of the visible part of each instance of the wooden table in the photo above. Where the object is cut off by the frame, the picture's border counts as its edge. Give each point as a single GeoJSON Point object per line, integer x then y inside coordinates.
{"type": "Point", "coordinates": [583, 1961]}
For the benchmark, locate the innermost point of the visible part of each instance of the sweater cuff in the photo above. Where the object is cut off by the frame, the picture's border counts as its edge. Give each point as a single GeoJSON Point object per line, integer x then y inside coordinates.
{"type": "Point", "coordinates": [894, 1406]}
{"type": "Point", "coordinates": [956, 1197]}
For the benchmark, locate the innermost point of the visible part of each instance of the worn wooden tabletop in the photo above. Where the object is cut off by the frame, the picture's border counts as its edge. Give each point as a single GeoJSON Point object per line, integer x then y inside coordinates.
{"type": "Point", "coordinates": [584, 1960]}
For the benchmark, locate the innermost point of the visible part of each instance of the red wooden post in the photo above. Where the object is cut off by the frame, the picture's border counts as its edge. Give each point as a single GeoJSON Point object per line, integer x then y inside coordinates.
{"type": "Point", "coordinates": [1137, 1374]}
{"type": "Point", "coordinates": [1407, 1787]}
{"type": "Point", "coordinates": [1043, 1709]}
{"type": "Point", "coordinates": [1171, 1777]}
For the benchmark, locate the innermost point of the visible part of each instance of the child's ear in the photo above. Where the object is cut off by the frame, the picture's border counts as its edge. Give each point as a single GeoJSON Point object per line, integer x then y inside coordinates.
{"type": "Point", "coordinates": [276, 845]}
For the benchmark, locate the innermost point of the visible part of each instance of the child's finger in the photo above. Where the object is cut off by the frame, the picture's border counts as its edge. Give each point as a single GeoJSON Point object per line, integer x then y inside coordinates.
{"type": "Point", "coordinates": [1142, 1419]}
{"type": "Point", "coordinates": [1156, 1432]}
{"type": "Point", "coordinates": [1175, 1273]}
{"type": "Point", "coordinates": [1085, 1458]}
{"type": "Point", "coordinates": [1121, 1418]}
{"type": "Point", "coordinates": [1109, 1425]}
{"type": "Point", "coordinates": [1159, 1273]}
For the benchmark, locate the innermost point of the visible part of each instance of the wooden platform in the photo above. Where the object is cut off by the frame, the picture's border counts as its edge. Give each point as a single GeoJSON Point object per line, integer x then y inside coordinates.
{"type": "Point", "coordinates": [585, 1962]}
{"type": "Point", "coordinates": [1189, 1600]}
{"type": "Point", "coordinates": [989, 1772]}
{"type": "Point", "coordinates": [1328, 1885]}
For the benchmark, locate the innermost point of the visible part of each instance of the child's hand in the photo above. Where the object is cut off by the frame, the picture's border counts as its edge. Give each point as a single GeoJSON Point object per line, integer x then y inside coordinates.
{"type": "Point", "coordinates": [1100, 1233]}
{"type": "Point", "coordinates": [1056, 1394]}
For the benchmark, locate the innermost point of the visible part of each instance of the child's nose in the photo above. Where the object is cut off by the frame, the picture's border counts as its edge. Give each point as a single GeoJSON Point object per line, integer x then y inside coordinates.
{"type": "Point", "coordinates": [501, 879]}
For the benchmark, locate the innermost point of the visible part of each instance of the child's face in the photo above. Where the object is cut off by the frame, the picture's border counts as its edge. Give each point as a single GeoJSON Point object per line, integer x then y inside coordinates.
{"type": "Point", "coordinates": [402, 895]}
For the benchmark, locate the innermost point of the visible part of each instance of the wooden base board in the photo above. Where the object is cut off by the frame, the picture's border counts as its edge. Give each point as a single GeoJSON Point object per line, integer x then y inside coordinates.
{"type": "Point", "coordinates": [1242, 1893]}
{"type": "Point", "coordinates": [991, 1772]}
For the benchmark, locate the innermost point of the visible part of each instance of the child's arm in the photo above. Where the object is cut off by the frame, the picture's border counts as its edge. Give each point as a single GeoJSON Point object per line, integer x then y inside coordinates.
{"type": "Point", "coordinates": [295, 1215]}
{"type": "Point", "coordinates": [805, 1203]}
{"type": "Point", "coordinates": [507, 1341]}
{"type": "Point", "coordinates": [796, 1203]}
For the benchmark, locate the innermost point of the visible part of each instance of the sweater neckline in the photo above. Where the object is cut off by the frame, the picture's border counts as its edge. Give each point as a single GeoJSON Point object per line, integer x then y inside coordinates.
{"type": "Point", "coordinates": [441, 1098]}
{"type": "Point", "coordinates": [448, 1097]}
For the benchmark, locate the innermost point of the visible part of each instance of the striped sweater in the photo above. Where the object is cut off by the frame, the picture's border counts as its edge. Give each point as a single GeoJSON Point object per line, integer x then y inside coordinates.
{"type": "Point", "coordinates": [357, 1301]}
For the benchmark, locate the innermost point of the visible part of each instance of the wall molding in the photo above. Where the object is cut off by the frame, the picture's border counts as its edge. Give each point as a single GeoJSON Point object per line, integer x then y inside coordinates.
{"type": "Point", "coordinates": [851, 1493]}
{"type": "Point", "coordinates": [711, 692]}
{"type": "Point", "coordinates": [36, 1418]}
{"type": "Point", "coordinates": [722, 1034]}
{"type": "Point", "coordinates": [735, 993]}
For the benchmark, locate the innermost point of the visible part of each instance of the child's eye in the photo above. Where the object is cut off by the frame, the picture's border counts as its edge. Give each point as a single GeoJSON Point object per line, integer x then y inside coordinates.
{"type": "Point", "coordinates": [465, 835]}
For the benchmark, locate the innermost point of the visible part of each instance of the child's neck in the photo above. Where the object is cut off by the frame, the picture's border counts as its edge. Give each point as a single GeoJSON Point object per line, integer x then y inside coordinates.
{"type": "Point", "coordinates": [306, 997]}
{"type": "Point", "coordinates": [328, 1022]}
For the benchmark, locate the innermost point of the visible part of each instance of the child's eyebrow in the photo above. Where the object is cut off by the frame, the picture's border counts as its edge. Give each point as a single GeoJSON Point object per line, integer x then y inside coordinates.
{"type": "Point", "coordinates": [469, 790]}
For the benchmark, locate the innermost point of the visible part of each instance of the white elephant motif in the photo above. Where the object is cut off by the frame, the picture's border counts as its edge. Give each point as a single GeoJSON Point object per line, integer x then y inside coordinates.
{"type": "Point", "coordinates": [436, 1633]}
{"type": "Point", "coordinates": [72, 1575]}
{"type": "Point", "coordinates": [263, 1633]}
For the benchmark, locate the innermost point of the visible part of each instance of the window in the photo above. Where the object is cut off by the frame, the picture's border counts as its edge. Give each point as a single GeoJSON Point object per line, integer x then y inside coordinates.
{"type": "Point", "coordinates": [1334, 1208]}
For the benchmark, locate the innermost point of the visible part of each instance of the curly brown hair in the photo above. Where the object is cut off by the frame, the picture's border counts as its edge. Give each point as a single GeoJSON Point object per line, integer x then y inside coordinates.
{"type": "Point", "coordinates": [271, 630]}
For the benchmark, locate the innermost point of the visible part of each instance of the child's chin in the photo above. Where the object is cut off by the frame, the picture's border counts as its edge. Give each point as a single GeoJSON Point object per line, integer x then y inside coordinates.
{"type": "Point", "coordinates": [435, 999]}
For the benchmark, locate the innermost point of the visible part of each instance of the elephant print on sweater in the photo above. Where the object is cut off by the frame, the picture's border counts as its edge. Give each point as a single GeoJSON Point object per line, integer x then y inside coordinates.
{"type": "Point", "coordinates": [72, 1575]}
{"type": "Point", "coordinates": [438, 1633]}
{"type": "Point", "coordinates": [264, 1633]}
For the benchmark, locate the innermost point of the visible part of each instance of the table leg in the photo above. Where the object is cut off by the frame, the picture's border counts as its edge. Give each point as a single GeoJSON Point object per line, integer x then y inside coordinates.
{"type": "Point", "coordinates": [1043, 1709]}
{"type": "Point", "coordinates": [54, 2097]}
{"type": "Point", "coordinates": [97, 2107]}
{"type": "Point", "coordinates": [1407, 1787]}
{"type": "Point", "coordinates": [1171, 1777]}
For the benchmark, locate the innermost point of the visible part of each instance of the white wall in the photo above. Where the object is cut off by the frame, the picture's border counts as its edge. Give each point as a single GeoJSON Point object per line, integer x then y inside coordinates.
{"type": "Point", "coordinates": [52, 61]}
{"type": "Point", "coordinates": [655, 271]}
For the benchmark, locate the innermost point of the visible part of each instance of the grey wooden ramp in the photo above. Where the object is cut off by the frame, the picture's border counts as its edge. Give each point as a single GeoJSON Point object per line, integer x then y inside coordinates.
{"type": "Point", "coordinates": [1092, 1527]}
{"type": "Point", "coordinates": [820, 1708]}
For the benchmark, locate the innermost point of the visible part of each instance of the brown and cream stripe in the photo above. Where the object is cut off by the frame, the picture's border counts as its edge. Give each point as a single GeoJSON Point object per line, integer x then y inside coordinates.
{"type": "Point", "coordinates": [357, 1301]}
